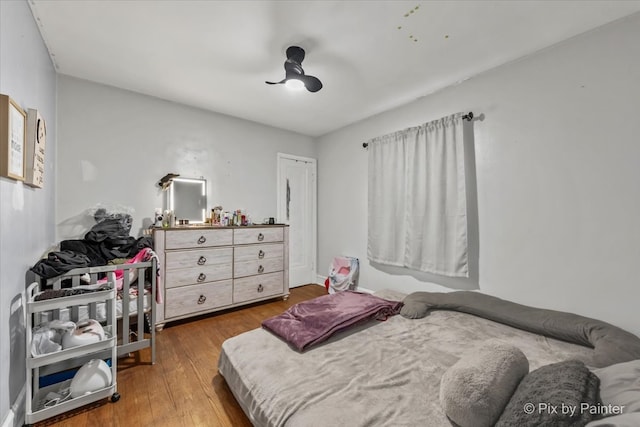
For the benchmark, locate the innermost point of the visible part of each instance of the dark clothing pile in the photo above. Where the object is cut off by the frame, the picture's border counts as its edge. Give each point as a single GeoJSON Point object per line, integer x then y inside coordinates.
{"type": "Point", "coordinates": [107, 240]}
{"type": "Point", "coordinates": [58, 293]}
{"type": "Point", "coordinates": [58, 263]}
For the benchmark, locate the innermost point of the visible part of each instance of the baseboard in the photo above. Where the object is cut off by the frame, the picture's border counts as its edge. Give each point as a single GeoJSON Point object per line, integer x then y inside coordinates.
{"type": "Point", "coordinates": [18, 407]}
{"type": "Point", "coordinates": [8, 420]}
{"type": "Point", "coordinates": [321, 279]}
{"type": "Point", "coordinates": [301, 284]}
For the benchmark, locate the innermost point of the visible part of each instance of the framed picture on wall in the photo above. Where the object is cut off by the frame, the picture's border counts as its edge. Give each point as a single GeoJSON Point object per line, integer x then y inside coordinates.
{"type": "Point", "coordinates": [13, 121]}
{"type": "Point", "coordinates": [35, 149]}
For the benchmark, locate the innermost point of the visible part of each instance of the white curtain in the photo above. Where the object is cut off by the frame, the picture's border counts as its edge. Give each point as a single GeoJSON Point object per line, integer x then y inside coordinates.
{"type": "Point", "coordinates": [417, 199]}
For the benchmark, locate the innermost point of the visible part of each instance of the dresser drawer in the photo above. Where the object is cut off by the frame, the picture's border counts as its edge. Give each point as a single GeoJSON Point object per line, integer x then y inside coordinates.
{"type": "Point", "coordinates": [190, 276]}
{"type": "Point", "coordinates": [258, 235]}
{"type": "Point", "coordinates": [183, 239]}
{"type": "Point", "coordinates": [193, 299]}
{"type": "Point", "coordinates": [261, 266]}
{"type": "Point", "coordinates": [254, 287]}
{"type": "Point", "coordinates": [258, 252]}
{"type": "Point", "coordinates": [198, 258]}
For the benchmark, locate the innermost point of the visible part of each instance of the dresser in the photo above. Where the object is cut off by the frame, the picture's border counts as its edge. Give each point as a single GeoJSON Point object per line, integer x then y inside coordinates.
{"type": "Point", "coordinates": [205, 269]}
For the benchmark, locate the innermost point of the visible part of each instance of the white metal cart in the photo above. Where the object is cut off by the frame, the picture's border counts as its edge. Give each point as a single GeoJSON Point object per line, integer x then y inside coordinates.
{"type": "Point", "coordinates": [63, 360]}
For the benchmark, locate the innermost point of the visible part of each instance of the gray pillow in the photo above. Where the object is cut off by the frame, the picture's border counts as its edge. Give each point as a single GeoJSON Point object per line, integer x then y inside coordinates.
{"type": "Point", "coordinates": [620, 385]}
{"type": "Point", "coordinates": [541, 395]}
{"type": "Point", "coordinates": [611, 344]}
{"type": "Point", "coordinates": [623, 420]}
{"type": "Point", "coordinates": [475, 390]}
{"type": "Point", "coordinates": [414, 309]}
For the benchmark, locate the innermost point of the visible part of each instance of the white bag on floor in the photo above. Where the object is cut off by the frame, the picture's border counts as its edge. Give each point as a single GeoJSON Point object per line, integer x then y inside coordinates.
{"type": "Point", "coordinates": [343, 274]}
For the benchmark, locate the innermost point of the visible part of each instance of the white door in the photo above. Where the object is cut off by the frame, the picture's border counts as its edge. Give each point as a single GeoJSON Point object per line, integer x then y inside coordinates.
{"type": "Point", "coordinates": [297, 207]}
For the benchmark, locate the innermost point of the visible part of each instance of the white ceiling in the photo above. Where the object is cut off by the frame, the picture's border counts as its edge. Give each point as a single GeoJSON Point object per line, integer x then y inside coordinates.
{"type": "Point", "coordinates": [370, 55]}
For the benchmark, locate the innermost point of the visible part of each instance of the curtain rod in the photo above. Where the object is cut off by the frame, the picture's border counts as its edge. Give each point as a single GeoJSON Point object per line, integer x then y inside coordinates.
{"type": "Point", "coordinates": [468, 117]}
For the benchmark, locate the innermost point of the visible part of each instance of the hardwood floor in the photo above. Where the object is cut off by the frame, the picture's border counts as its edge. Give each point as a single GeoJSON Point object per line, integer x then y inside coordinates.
{"type": "Point", "coordinates": [183, 388]}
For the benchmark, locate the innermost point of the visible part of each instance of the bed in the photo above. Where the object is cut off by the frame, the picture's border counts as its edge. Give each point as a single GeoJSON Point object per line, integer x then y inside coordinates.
{"type": "Point", "coordinates": [374, 374]}
{"type": "Point", "coordinates": [137, 294]}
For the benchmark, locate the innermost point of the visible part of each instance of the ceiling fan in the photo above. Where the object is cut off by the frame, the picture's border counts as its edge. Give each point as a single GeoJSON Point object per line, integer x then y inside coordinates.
{"type": "Point", "coordinates": [294, 74]}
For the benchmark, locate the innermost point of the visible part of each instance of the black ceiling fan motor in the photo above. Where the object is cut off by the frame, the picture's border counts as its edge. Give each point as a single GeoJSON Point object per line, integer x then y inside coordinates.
{"type": "Point", "coordinates": [293, 70]}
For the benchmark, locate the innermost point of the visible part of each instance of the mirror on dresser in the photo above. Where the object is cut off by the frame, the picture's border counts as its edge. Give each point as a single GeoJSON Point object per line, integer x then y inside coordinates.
{"type": "Point", "coordinates": [188, 199]}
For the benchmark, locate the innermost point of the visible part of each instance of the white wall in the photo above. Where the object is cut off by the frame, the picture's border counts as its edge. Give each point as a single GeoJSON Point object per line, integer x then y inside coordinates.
{"type": "Point", "coordinates": [26, 214]}
{"type": "Point", "coordinates": [114, 146]}
{"type": "Point", "coordinates": [558, 168]}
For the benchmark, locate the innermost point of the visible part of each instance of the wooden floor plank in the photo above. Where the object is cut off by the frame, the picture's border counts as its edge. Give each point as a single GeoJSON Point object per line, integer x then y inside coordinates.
{"type": "Point", "coordinates": [183, 388]}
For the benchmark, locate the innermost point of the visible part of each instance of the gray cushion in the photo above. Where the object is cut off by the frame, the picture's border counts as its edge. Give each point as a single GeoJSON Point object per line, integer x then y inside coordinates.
{"type": "Point", "coordinates": [611, 344]}
{"type": "Point", "coordinates": [475, 390]}
{"type": "Point", "coordinates": [413, 309]}
{"type": "Point", "coordinates": [567, 384]}
{"type": "Point", "coordinates": [620, 385]}
{"type": "Point", "coordinates": [623, 420]}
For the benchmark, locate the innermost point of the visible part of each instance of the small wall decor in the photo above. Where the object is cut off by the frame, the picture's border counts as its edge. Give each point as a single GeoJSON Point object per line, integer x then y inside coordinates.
{"type": "Point", "coordinates": [13, 121]}
{"type": "Point", "coordinates": [36, 142]}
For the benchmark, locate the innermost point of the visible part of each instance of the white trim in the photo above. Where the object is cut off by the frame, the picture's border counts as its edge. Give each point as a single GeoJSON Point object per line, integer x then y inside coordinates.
{"type": "Point", "coordinates": [305, 284]}
{"type": "Point", "coordinates": [18, 407]}
{"type": "Point", "coordinates": [321, 279]}
{"type": "Point", "coordinates": [8, 420]}
{"type": "Point", "coordinates": [314, 284]}
{"type": "Point", "coordinates": [294, 157]}
{"type": "Point", "coordinates": [314, 203]}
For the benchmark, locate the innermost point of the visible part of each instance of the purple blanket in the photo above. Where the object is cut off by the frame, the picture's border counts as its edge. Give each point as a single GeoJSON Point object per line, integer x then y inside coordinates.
{"type": "Point", "coordinates": [313, 321]}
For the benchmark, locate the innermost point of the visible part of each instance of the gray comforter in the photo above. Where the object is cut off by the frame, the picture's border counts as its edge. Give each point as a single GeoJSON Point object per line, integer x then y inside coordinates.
{"type": "Point", "coordinates": [380, 374]}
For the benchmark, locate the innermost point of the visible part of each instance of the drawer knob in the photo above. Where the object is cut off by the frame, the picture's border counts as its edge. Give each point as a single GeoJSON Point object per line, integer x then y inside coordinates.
{"type": "Point", "coordinates": [202, 277]}
{"type": "Point", "coordinates": [260, 237]}
{"type": "Point", "coordinates": [261, 254]}
{"type": "Point", "coordinates": [260, 269]}
{"type": "Point", "coordinates": [260, 287]}
{"type": "Point", "coordinates": [202, 260]}
{"type": "Point", "coordinates": [201, 240]}
{"type": "Point", "coordinates": [202, 299]}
